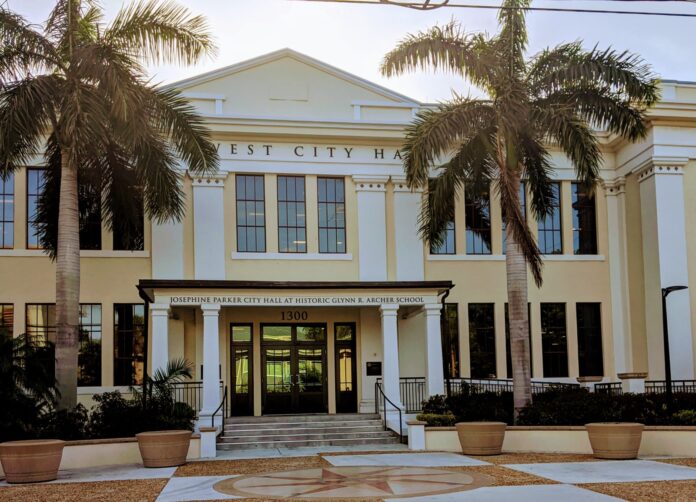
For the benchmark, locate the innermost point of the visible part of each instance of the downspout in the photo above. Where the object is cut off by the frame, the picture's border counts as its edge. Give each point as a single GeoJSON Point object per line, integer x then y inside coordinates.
{"type": "Point", "coordinates": [444, 330]}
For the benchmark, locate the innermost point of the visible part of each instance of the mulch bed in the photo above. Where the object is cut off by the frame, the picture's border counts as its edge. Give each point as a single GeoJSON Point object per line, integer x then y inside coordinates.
{"type": "Point", "coordinates": [142, 490]}
{"type": "Point", "coordinates": [249, 466]}
{"type": "Point", "coordinates": [648, 491]}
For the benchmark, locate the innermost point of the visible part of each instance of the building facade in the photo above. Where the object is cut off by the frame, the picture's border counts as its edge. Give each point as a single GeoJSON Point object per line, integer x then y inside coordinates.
{"type": "Point", "coordinates": [297, 277]}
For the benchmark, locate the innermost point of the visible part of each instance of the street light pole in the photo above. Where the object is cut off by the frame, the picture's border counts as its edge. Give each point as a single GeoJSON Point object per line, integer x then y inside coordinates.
{"type": "Point", "coordinates": [665, 337]}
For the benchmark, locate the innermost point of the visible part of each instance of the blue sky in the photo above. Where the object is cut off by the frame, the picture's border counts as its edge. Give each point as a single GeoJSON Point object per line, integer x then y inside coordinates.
{"type": "Point", "coordinates": [355, 37]}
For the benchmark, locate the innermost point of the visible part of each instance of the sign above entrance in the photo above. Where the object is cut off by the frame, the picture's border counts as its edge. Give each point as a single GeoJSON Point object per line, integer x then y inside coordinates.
{"type": "Point", "coordinates": [307, 152]}
{"type": "Point", "coordinates": [307, 301]}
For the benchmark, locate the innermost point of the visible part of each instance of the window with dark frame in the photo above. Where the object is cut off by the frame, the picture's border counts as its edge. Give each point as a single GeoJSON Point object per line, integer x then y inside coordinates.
{"type": "Point", "coordinates": [7, 319]}
{"type": "Point", "coordinates": [554, 339]}
{"type": "Point", "coordinates": [451, 340]}
{"type": "Point", "coordinates": [40, 320]}
{"type": "Point", "coordinates": [292, 215]}
{"type": "Point", "coordinates": [523, 207]}
{"type": "Point", "coordinates": [482, 340]}
{"type": "Point", "coordinates": [448, 245]}
{"type": "Point", "coordinates": [129, 343]}
{"type": "Point", "coordinates": [251, 213]}
{"type": "Point", "coordinates": [90, 340]}
{"type": "Point", "coordinates": [550, 229]}
{"type": "Point", "coordinates": [584, 220]}
{"type": "Point", "coordinates": [508, 351]}
{"type": "Point", "coordinates": [90, 218]}
{"type": "Point", "coordinates": [130, 235]}
{"type": "Point", "coordinates": [7, 205]}
{"type": "Point", "coordinates": [36, 178]}
{"type": "Point", "coordinates": [589, 322]}
{"type": "Point", "coordinates": [478, 221]}
{"type": "Point", "coordinates": [332, 215]}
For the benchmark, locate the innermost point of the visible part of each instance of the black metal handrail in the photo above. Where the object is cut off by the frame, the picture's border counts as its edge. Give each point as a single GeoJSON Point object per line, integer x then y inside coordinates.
{"type": "Point", "coordinates": [611, 388]}
{"type": "Point", "coordinates": [379, 392]}
{"type": "Point", "coordinates": [221, 407]}
{"type": "Point", "coordinates": [498, 385]}
{"type": "Point", "coordinates": [660, 386]}
{"type": "Point", "coordinates": [411, 393]}
{"type": "Point", "coordinates": [190, 392]}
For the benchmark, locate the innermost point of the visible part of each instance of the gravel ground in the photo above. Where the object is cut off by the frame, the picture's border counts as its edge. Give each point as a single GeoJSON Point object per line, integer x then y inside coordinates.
{"type": "Point", "coordinates": [502, 476]}
{"type": "Point", "coordinates": [649, 491]}
{"type": "Point", "coordinates": [534, 458]}
{"type": "Point", "coordinates": [249, 466]}
{"type": "Point", "coordinates": [688, 462]}
{"type": "Point", "coordinates": [105, 491]}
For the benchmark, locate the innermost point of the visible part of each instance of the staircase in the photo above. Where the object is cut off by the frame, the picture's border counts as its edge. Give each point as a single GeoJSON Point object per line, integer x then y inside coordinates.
{"type": "Point", "coordinates": [287, 431]}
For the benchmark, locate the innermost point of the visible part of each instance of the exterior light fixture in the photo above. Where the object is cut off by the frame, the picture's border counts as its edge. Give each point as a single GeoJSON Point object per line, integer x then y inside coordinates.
{"type": "Point", "coordinates": [665, 335]}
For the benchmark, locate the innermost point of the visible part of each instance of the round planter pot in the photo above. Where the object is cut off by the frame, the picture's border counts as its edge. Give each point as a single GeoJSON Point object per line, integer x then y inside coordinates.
{"type": "Point", "coordinates": [481, 438]}
{"type": "Point", "coordinates": [31, 461]}
{"type": "Point", "coordinates": [164, 448]}
{"type": "Point", "coordinates": [615, 440]}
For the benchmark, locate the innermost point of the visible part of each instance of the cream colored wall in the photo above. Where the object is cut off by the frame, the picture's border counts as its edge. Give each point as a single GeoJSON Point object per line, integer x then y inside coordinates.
{"type": "Point", "coordinates": [412, 346]}
{"type": "Point", "coordinates": [690, 208]}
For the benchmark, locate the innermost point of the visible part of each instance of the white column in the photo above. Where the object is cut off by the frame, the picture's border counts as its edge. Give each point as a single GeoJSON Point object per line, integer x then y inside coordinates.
{"type": "Point", "coordinates": [211, 359]}
{"type": "Point", "coordinates": [372, 227]}
{"type": "Point", "coordinates": [209, 227]}
{"type": "Point", "coordinates": [435, 379]}
{"type": "Point", "coordinates": [160, 336]}
{"type": "Point", "coordinates": [665, 264]}
{"type": "Point", "coordinates": [614, 191]}
{"type": "Point", "coordinates": [409, 246]}
{"type": "Point", "coordinates": [390, 353]}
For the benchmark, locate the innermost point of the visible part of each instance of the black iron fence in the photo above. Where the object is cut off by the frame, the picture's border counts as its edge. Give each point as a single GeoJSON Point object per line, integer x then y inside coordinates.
{"type": "Point", "coordinates": [412, 393]}
{"type": "Point", "coordinates": [660, 386]}
{"type": "Point", "coordinates": [454, 386]}
{"type": "Point", "coordinates": [191, 393]}
{"type": "Point", "coordinates": [611, 388]}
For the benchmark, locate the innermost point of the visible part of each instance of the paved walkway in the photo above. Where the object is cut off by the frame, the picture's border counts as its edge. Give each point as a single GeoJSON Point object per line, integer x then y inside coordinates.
{"type": "Point", "coordinates": [377, 475]}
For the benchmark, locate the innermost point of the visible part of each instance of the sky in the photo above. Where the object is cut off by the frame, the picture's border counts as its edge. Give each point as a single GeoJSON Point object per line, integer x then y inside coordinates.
{"type": "Point", "coordinates": [356, 37]}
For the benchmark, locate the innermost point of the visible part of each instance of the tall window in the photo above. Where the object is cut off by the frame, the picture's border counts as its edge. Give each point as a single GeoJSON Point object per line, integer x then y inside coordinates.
{"type": "Point", "coordinates": [332, 215]}
{"type": "Point", "coordinates": [251, 214]}
{"type": "Point", "coordinates": [451, 340]}
{"type": "Point", "coordinates": [35, 183]}
{"type": "Point", "coordinates": [589, 321]}
{"type": "Point", "coordinates": [292, 222]}
{"type": "Point", "coordinates": [482, 340]}
{"type": "Point", "coordinates": [584, 220]}
{"type": "Point", "coordinates": [129, 343]}
{"type": "Point", "coordinates": [508, 351]}
{"type": "Point", "coordinates": [6, 319]}
{"type": "Point", "coordinates": [448, 245]}
{"type": "Point", "coordinates": [90, 338]}
{"type": "Point", "coordinates": [90, 218]}
{"type": "Point", "coordinates": [478, 221]}
{"type": "Point", "coordinates": [554, 342]}
{"type": "Point", "coordinates": [7, 212]}
{"type": "Point", "coordinates": [129, 232]}
{"type": "Point", "coordinates": [550, 229]}
{"type": "Point", "coordinates": [523, 208]}
{"type": "Point", "coordinates": [41, 320]}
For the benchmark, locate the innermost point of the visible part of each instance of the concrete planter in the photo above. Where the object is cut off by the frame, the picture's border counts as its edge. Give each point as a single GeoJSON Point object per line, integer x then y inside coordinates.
{"type": "Point", "coordinates": [31, 461]}
{"type": "Point", "coordinates": [164, 448]}
{"type": "Point", "coordinates": [481, 438]}
{"type": "Point", "coordinates": [617, 440]}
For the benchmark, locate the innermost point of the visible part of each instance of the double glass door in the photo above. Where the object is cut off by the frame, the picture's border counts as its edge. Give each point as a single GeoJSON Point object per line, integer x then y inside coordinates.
{"type": "Point", "coordinates": [294, 368]}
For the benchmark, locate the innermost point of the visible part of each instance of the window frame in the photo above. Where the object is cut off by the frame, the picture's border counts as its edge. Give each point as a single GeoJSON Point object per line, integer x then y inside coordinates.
{"type": "Point", "coordinates": [100, 329]}
{"type": "Point", "coordinates": [578, 206]}
{"type": "Point", "coordinates": [547, 373]}
{"type": "Point", "coordinates": [542, 229]}
{"type": "Point", "coordinates": [287, 227]}
{"type": "Point", "coordinates": [47, 329]}
{"type": "Point", "coordinates": [29, 221]}
{"type": "Point", "coordinates": [471, 202]}
{"type": "Point", "coordinates": [452, 369]}
{"type": "Point", "coordinates": [584, 338]}
{"type": "Point", "coordinates": [6, 199]}
{"type": "Point", "coordinates": [245, 200]}
{"type": "Point", "coordinates": [488, 353]}
{"type": "Point", "coordinates": [3, 325]}
{"type": "Point", "coordinates": [134, 356]}
{"type": "Point", "coordinates": [336, 204]}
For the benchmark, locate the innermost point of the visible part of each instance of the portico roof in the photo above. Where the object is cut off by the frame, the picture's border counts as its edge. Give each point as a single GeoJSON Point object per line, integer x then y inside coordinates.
{"type": "Point", "coordinates": [147, 286]}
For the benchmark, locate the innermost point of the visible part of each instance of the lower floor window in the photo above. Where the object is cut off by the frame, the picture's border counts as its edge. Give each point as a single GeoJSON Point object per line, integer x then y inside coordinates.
{"type": "Point", "coordinates": [589, 321]}
{"type": "Point", "coordinates": [482, 340]}
{"type": "Point", "coordinates": [554, 340]}
{"type": "Point", "coordinates": [90, 337]}
{"type": "Point", "coordinates": [6, 319]}
{"type": "Point", "coordinates": [450, 340]}
{"type": "Point", "coordinates": [129, 343]}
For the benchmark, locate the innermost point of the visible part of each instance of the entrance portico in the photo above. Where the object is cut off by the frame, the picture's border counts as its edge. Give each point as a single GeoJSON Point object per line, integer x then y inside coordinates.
{"type": "Point", "coordinates": [299, 346]}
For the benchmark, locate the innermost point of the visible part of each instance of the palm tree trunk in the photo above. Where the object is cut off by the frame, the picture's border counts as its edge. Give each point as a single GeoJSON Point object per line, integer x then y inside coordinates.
{"type": "Point", "coordinates": [67, 285]}
{"type": "Point", "coordinates": [518, 316]}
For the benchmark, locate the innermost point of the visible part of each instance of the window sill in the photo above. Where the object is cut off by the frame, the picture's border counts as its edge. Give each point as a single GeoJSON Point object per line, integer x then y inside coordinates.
{"type": "Point", "coordinates": [293, 256]}
{"type": "Point", "coordinates": [501, 257]}
{"type": "Point", "coordinates": [88, 391]}
{"type": "Point", "coordinates": [104, 253]}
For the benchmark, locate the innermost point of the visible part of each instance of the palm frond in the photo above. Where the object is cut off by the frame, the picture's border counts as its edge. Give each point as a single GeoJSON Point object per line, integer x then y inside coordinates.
{"type": "Point", "coordinates": [24, 50]}
{"type": "Point", "coordinates": [446, 48]}
{"type": "Point", "coordinates": [176, 371]}
{"type": "Point", "coordinates": [511, 42]}
{"type": "Point", "coordinates": [537, 171]}
{"type": "Point", "coordinates": [161, 32]}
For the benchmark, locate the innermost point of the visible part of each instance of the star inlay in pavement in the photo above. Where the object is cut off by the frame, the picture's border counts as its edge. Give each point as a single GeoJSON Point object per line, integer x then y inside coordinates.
{"type": "Point", "coordinates": [351, 482]}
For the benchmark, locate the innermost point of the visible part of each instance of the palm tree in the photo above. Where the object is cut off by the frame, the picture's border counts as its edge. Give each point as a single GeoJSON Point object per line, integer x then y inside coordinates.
{"type": "Point", "coordinates": [76, 90]}
{"type": "Point", "coordinates": [558, 96]}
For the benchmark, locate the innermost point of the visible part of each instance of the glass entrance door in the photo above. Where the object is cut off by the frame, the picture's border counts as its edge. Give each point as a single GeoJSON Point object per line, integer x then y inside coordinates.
{"type": "Point", "coordinates": [241, 393]}
{"type": "Point", "coordinates": [346, 392]}
{"type": "Point", "coordinates": [294, 362]}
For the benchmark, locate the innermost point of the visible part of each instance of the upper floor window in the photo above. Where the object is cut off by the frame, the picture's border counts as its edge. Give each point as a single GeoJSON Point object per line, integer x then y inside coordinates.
{"type": "Point", "coordinates": [478, 221]}
{"type": "Point", "coordinates": [251, 214]}
{"type": "Point", "coordinates": [482, 340]}
{"type": "Point", "coordinates": [584, 220]}
{"type": "Point", "coordinates": [523, 208]}
{"type": "Point", "coordinates": [550, 229]}
{"type": "Point", "coordinates": [589, 321]}
{"type": "Point", "coordinates": [332, 215]}
{"type": "Point", "coordinates": [7, 212]}
{"type": "Point", "coordinates": [36, 179]}
{"type": "Point", "coordinates": [6, 319]}
{"type": "Point", "coordinates": [129, 343]}
{"type": "Point", "coordinates": [448, 244]}
{"type": "Point", "coordinates": [129, 231]}
{"type": "Point", "coordinates": [554, 340]}
{"type": "Point", "coordinates": [90, 218]}
{"type": "Point", "coordinates": [292, 219]}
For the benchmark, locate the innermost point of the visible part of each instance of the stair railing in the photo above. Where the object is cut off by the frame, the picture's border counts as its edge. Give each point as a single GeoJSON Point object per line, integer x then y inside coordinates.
{"type": "Point", "coordinates": [380, 396]}
{"type": "Point", "coordinates": [222, 407]}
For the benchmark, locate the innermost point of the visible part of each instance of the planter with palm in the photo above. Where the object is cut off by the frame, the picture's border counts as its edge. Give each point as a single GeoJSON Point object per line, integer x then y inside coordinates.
{"type": "Point", "coordinates": [76, 90]}
{"type": "Point", "coordinates": [557, 98]}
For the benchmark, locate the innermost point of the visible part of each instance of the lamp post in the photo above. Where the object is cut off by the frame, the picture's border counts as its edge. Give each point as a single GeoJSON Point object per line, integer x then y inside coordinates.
{"type": "Point", "coordinates": [665, 336]}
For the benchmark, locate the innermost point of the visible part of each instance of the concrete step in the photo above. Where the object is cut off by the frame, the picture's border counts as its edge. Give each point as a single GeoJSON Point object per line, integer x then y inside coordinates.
{"type": "Point", "coordinates": [255, 431]}
{"type": "Point", "coordinates": [307, 443]}
{"type": "Point", "coordinates": [311, 417]}
{"type": "Point", "coordinates": [296, 437]}
{"type": "Point", "coordinates": [301, 425]}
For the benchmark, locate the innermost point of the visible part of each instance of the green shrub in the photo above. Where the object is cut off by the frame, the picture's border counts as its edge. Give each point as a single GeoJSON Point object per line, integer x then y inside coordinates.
{"type": "Point", "coordinates": [435, 405]}
{"type": "Point", "coordinates": [437, 419]}
{"type": "Point", "coordinates": [67, 425]}
{"type": "Point", "coordinates": [684, 417]}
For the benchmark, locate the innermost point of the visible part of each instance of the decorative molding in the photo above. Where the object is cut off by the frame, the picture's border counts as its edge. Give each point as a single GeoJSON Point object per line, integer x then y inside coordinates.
{"type": "Point", "coordinates": [209, 180]}
{"type": "Point", "coordinates": [574, 257]}
{"type": "Point", "coordinates": [293, 256]}
{"type": "Point", "coordinates": [661, 166]}
{"type": "Point", "coordinates": [96, 253]}
{"type": "Point", "coordinates": [616, 186]}
{"type": "Point", "coordinates": [370, 183]}
{"type": "Point", "coordinates": [400, 185]}
{"type": "Point", "coordinates": [501, 257]}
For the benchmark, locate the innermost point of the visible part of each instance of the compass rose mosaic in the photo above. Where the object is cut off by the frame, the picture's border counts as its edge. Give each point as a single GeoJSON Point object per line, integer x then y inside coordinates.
{"type": "Point", "coordinates": [352, 482]}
